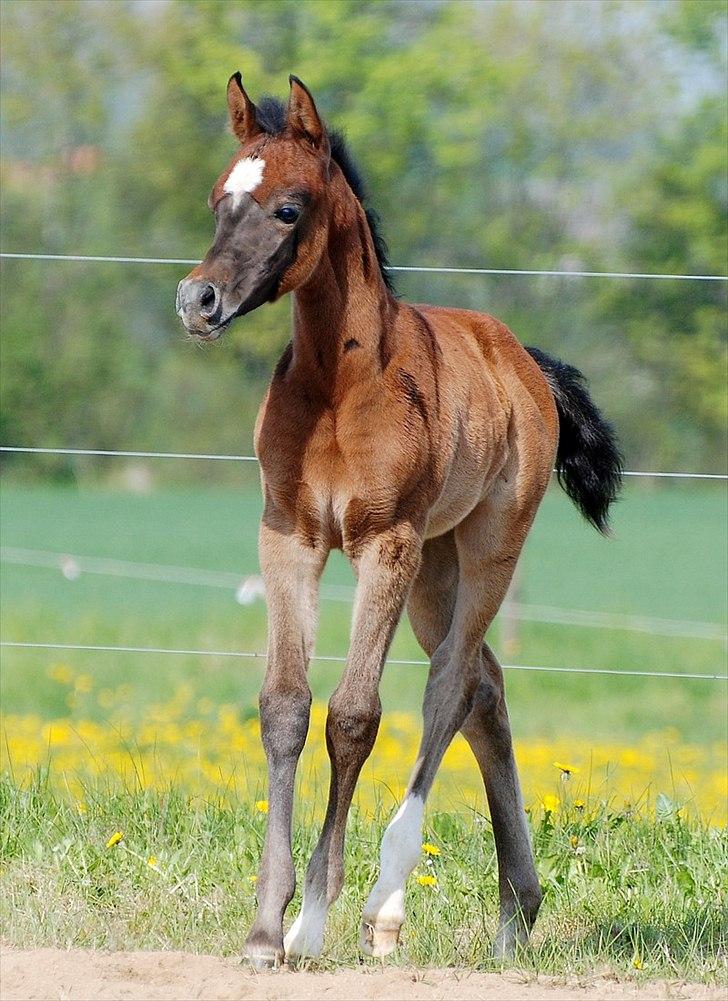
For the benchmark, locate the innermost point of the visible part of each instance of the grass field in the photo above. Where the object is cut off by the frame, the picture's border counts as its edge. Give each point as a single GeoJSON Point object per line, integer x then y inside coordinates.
{"type": "Point", "coordinates": [667, 560]}
{"type": "Point", "coordinates": [621, 893]}
{"type": "Point", "coordinates": [165, 749]}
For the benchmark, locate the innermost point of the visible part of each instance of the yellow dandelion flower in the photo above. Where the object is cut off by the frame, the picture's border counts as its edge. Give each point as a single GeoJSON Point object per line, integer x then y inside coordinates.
{"type": "Point", "coordinates": [427, 880]}
{"type": "Point", "coordinates": [550, 803]}
{"type": "Point", "coordinates": [114, 840]}
{"type": "Point", "coordinates": [637, 962]}
{"type": "Point", "coordinates": [61, 673]}
{"type": "Point", "coordinates": [253, 880]}
{"type": "Point", "coordinates": [152, 862]}
{"type": "Point", "coordinates": [566, 770]}
{"type": "Point", "coordinates": [579, 804]}
{"type": "Point", "coordinates": [429, 849]}
{"type": "Point", "coordinates": [261, 805]}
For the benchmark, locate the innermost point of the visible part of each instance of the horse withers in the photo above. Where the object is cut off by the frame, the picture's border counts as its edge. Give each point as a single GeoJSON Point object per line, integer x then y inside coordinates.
{"type": "Point", "coordinates": [420, 441]}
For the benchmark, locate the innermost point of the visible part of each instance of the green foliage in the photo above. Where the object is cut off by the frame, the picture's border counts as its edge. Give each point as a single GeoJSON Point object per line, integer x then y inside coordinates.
{"type": "Point", "coordinates": [678, 225]}
{"type": "Point", "coordinates": [505, 135]}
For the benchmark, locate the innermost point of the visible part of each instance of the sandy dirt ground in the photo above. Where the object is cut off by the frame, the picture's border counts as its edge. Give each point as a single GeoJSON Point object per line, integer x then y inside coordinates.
{"type": "Point", "coordinates": [175, 976]}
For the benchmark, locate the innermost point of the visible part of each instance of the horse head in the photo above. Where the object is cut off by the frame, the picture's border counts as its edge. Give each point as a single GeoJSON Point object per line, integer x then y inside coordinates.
{"type": "Point", "coordinates": [271, 211]}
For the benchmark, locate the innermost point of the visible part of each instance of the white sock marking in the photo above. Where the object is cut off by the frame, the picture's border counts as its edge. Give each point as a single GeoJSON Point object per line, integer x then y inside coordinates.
{"type": "Point", "coordinates": [306, 935]}
{"type": "Point", "coordinates": [245, 176]}
{"type": "Point", "coordinates": [401, 848]}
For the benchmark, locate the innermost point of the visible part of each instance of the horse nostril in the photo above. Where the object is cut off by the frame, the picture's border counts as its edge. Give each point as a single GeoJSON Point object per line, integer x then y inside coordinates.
{"type": "Point", "coordinates": [209, 299]}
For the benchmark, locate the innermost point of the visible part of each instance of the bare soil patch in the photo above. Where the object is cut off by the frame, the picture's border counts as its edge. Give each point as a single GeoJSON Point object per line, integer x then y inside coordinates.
{"type": "Point", "coordinates": [176, 976]}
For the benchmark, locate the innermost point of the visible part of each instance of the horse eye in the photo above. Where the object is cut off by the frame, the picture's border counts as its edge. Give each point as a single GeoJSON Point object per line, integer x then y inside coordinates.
{"type": "Point", "coordinates": [288, 213]}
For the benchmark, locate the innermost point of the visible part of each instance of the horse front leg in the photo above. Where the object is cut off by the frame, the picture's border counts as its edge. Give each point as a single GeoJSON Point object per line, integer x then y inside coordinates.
{"type": "Point", "coordinates": [291, 571]}
{"type": "Point", "coordinates": [385, 570]}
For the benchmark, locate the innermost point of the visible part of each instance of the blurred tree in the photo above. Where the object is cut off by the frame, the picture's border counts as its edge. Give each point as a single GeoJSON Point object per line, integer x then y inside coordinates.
{"type": "Point", "coordinates": [68, 360]}
{"type": "Point", "coordinates": [506, 134]}
{"type": "Point", "coordinates": [678, 331]}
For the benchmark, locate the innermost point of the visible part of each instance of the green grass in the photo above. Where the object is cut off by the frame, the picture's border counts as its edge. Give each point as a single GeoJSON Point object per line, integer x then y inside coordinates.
{"type": "Point", "coordinates": [667, 559]}
{"type": "Point", "coordinates": [622, 894]}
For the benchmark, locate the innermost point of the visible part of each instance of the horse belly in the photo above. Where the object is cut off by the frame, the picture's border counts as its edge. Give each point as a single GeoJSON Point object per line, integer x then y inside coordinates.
{"type": "Point", "coordinates": [454, 504]}
{"type": "Point", "coordinates": [477, 459]}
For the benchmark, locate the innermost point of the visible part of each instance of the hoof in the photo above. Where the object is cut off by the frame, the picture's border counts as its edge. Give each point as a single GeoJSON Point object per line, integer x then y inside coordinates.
{"type": "Point", "coordinates": [262, 957]}
{"type": "Point", "coordinates": [502, 949]}
{"type": "Point", "coordinates": [378, 942]}
{"type": "Point", "coordinates": [509, 942]}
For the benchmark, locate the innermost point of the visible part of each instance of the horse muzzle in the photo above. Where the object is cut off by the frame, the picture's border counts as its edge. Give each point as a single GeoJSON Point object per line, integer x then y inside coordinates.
{"type": "Point", "coordinates": [206, 309]}
{"type": "Point", "coordinates": [199, 304]}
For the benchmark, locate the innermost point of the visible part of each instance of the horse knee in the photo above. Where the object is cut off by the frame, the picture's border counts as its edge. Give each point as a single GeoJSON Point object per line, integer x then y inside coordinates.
{"type": "Point", "coordinates": [284, 716]}
{"type": "Point", "coordinates": [351, 728]}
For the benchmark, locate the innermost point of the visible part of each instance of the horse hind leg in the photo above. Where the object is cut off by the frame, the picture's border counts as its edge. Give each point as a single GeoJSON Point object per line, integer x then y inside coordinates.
{"type": "Point", "coordinates": [490, 542]}
{"type": "Point", "coordinates": [449, 693]}
{"type": "Point", "coordinates": [487, 730]}
{"type": "Point", "coordinates": [461, 584]}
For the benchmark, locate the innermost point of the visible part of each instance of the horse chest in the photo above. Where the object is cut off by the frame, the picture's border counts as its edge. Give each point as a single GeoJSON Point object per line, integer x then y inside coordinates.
{"type": "Point", "coordinates": [336, 480]}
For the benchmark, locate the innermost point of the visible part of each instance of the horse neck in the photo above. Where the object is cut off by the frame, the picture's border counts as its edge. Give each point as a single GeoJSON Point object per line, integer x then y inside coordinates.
{"type": "Point", "coordinates": [344, 307]}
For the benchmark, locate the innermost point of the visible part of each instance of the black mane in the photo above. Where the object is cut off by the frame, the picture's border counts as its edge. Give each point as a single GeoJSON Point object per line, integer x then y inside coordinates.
{"type": "Point", "coordinates": [272, 120]}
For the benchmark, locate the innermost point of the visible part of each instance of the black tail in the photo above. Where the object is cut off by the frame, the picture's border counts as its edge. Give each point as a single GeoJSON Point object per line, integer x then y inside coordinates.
{"type": "Point", "coordinates": [588, 462]}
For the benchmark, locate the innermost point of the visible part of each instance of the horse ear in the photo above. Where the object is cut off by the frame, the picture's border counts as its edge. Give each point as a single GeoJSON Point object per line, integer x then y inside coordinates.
{"type": "Point", "coordinates": [303, 118]}
{"type": "Point", "coordinates": [242, 111]}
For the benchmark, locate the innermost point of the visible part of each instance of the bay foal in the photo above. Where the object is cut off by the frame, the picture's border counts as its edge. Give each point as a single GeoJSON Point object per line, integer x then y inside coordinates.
{"type": "Point", "coordinates": [419, 440]}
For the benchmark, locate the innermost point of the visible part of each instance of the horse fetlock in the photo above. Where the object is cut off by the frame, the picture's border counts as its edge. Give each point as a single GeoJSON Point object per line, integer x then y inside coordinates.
{"type": "Point", "coordinates": [529, 901]}
{"type": "Point", "coordinates": [276, 888]}
{"type": "Point", "coordinates": [382, 919]}
{"type": "Point", "coordinates": [521, 900]}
